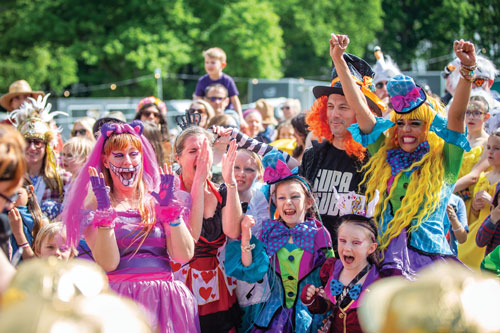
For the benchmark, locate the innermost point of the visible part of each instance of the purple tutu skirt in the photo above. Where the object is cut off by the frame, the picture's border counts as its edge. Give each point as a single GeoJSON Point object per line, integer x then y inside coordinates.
{"type": "Point", "coordinates": [169, 304]}
{"type": "Point", "coordinates": [400, 259]}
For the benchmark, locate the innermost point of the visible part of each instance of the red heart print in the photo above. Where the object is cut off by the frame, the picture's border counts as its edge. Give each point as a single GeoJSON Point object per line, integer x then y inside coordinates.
{"type": "Point", "coordinates": [213, 295]}
{"type": "Point", "coordinates": [184, 271]}
{"type": "Point", "coordinates": [207, 276]}
{"type": "Point", "coordinates": [175, 266]}
{"type": "Point", "coordinates": [195, 275]}
{"type": "Point", "coordinates": [205, 292]}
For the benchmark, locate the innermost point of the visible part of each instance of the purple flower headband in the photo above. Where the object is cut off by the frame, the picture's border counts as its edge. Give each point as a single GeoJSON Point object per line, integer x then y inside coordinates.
{"type": "Point", "coordinates": [152, 100]}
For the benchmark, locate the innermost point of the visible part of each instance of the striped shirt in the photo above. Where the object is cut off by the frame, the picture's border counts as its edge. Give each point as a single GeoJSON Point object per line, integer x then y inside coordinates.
{"type": "Point", "coordinates": [258, 147]}
{"type": "Point", "coordinates": [488, 235]}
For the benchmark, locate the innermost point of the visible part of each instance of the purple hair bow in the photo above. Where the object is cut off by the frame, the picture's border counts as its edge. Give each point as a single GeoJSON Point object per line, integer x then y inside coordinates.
{"type": "Point", "coordinates": [272, 175]}
{"type": "Point", "coordinates": [134, 127]}
{"type": "Point", "coordinates": [403, 101]}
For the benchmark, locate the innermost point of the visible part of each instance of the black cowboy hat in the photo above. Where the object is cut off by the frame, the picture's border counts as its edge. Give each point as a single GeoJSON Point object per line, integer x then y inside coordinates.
{"type": "Point", "coordinates": [361, 71]}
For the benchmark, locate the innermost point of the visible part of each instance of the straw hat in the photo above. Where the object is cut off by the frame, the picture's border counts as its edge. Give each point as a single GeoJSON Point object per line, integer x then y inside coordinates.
{"type": "Point", "coordinates": [18, 88]}
{"type": "Point", "coordinates": [267, 112]}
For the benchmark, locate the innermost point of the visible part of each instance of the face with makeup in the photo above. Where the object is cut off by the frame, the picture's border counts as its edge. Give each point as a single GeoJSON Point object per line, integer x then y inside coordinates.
{"type": "Point", "coordinates": [245, 171]}
{"type": "Point", "coordinates": [411, 133]}
{"type": "Point", "coordinates": [355, 245]}
{"type": "Point", "coordinates": [292, 203]}
{"type": "Point", "coordinates": [124, 167]}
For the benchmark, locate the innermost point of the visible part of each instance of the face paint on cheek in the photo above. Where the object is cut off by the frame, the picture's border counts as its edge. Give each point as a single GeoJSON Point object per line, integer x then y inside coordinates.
{"type": "Point", "coordinates": [127, 176]}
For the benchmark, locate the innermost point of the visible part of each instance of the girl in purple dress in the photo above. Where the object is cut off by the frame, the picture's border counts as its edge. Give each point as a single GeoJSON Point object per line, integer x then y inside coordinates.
{"type": "Point", "coordinates": [133, 228]}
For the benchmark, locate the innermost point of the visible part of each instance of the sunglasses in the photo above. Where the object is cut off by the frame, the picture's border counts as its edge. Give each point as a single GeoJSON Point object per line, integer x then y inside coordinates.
{"type": "Point", "coordinates": [380, 85]}
{"type": "Point", "coordinates": [479, 81]}
{"type": "Point", "coordinates": [213, 99]}
{"type": "Point", "coordinates": [200, 111]}
{"type": "Point", "coordinates": [37, 143]}
{"type": "Point", "coordinates": [81, 132]}
{"type": "Point", "coordinates": [148, 114]}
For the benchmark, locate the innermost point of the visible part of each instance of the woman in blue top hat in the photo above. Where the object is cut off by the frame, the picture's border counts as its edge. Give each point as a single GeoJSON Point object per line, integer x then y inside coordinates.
{"type": "Point", "coordinates": [414, 166]}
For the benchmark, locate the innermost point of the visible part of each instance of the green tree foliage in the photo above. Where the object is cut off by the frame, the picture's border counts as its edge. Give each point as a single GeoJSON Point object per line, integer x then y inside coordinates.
{"type": "Point", "coordinates": [307, 26]}
{"type": "Point", "coordinates": [61, 44]}
{"type": "Point", "coordinates": [424, 29]}
{"type": "Point", "coordinates": [250, 33]}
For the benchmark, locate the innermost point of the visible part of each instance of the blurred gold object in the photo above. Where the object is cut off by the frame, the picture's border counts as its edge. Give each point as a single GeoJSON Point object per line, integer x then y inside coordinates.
{"type": "Point", "coordinates": [446, 297]}
{"type": "Point", "coordinates": [56, 296]}
{"type": "Point", "coordinates": [56, 280]}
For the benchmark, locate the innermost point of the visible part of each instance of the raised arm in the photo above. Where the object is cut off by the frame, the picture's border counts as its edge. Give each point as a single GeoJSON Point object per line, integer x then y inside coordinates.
{"type": "Point", "coordinates": [197, 191]}
{"type": "Point", "coordinates": [465, 51]}
{"type": "Point", "coordinates": [232, 212]}
{"type": "Point", "coordinates": [354, 96]}
{"type": "Point", "coordinates": [100, 235]}
{"type": "Point", "coordinates": [179, 242]}
{"type": "Point", "coordinates": [246, 142]}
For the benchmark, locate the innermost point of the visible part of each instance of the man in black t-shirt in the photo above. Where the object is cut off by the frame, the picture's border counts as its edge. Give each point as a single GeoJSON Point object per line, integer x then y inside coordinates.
{"type": "Point", "coordinates": [336, 161]}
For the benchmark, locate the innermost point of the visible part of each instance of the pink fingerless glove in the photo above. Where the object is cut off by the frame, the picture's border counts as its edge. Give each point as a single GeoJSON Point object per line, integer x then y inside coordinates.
{"type": "Point", "coordinates": [104, 219]}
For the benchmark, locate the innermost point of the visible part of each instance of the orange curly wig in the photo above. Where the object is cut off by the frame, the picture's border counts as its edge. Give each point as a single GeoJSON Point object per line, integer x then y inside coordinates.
{"type": "Point", "coordinates": [318, 123]}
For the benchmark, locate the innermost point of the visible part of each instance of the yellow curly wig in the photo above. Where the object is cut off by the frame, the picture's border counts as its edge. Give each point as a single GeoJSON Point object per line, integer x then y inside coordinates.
{"type": "Point", "coordinates": [317, 120]}
{"type": "Point", "coordinates": [424, 189]}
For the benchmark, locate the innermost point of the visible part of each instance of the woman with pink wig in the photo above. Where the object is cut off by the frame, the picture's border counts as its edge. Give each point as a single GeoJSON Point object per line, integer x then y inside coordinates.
{"type": "Point", "coordinates": [134, 223]}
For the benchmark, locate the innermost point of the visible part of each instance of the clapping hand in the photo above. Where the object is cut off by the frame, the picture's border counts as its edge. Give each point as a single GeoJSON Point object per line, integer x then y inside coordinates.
{"type": "Point", "coordinates": [101, 191]}
{"type": "Point", "coordinates": [166, 193]}
{"type": "Point", "coordinates": [228, 164]}
{"type": "Point", "coordinates": [203, 164]}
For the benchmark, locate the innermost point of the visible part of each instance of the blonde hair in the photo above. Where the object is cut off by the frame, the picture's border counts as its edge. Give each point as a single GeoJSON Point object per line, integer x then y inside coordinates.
{"type": "Point", "coordinates": [12, 161]}
{"type": "Point", "coordinates": [80, 148]}
{"type": "Point", "coordinates": [257, 160]}
{"type": "Point", "coordinates": [215, 52]}
{"type": "Point", "coordinates": [49, 231]}
{"type": "Point", "coordinates": [208, 108]}
{"type": "Point", "coordinates": [281, 126]}
{"type": "Point", "coordinates": [188, 132]}
{"type": "Point", "coordinates": [424, 188]}
{"type": "Point", "coordinates": [87, 123]}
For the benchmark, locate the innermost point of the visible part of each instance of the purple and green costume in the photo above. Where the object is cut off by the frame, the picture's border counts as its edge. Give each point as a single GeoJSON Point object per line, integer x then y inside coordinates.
{"type": "Point", "coordinates": [289, 266]}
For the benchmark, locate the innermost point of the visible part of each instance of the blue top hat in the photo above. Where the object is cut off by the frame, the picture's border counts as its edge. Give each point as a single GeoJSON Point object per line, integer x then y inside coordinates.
{"type": "Point", "coordinates": [406, 96]}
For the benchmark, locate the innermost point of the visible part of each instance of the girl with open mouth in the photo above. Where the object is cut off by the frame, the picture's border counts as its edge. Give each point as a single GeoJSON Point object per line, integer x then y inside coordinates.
{"type": "Point", "coordinates": [345, 280]}
{"type": "Point", "coordinates": [290, 249]}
